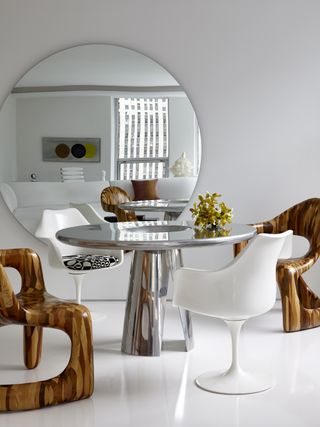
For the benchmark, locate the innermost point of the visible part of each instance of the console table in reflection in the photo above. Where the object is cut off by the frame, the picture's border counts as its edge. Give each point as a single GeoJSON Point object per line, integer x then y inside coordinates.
{"type": "Point", "coordinates": [156, 253]}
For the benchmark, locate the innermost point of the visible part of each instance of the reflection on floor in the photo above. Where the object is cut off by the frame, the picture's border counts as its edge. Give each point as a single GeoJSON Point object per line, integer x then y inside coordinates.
{"type": "Point", "coordinates": [160, 392]}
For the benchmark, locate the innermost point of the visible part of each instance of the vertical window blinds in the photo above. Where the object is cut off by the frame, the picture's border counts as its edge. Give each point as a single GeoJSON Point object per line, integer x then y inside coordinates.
{"type": "Point", "coordinates": [143, 145]}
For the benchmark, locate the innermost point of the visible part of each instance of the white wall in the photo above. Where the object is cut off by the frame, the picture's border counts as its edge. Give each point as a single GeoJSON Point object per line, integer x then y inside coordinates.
{"type": "Point", "coordinates": [182, 130]}
{"type": "Point", "coordinates": [61, 116]}
{"type": "Point", "coordinates": [250, 68]}
{"type": "Point", "coordinates": [8, 161]}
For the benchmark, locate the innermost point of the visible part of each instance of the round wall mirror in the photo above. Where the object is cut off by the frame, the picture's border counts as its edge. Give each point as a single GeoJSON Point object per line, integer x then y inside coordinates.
{"type": "Point", "coordinates": [95, 116]}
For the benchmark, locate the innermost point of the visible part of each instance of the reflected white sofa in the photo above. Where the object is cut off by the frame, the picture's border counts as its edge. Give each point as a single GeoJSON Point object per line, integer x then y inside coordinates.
{"type": "Point", "coordinates": [27, 200]}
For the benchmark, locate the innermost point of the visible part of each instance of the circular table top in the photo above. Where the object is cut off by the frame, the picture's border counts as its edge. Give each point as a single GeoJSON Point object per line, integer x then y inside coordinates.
{"type": "Point", "coordinates": [151, 235]}
{"type": "Point", "coordinates": [160, 205]}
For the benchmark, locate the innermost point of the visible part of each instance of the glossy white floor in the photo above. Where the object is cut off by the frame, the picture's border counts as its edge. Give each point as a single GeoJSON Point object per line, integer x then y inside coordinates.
{"type": "Point", "coordinates": [140, 391]}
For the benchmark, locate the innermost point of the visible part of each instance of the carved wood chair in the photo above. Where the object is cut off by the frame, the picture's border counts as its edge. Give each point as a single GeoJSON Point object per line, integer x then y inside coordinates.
{"type": "Point", "coordinates": [34, 308]}
{"type": "Point", "coordinates": [111, 197]}
{"type": "Point", "coordinates": [300, 305]}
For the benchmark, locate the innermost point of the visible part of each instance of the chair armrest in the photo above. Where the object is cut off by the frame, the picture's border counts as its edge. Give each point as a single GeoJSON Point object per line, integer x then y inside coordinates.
{"type": "Point", "coordinates": [28, 264]}
{"type": "Point", "coordinates": [300, 265]}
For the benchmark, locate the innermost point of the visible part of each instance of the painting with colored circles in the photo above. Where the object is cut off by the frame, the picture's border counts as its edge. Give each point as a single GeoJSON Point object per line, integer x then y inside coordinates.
{"type": "Point", "coordinates": [75, 150]}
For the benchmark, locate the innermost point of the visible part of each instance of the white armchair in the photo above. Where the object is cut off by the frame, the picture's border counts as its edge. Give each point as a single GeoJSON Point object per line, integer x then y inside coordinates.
{"type": "Point", "coordinates": [89, 212]}
{"type": "Point", "coordinates": [74, 260]}
{"type": "Point", "coordinates": [243, 289]}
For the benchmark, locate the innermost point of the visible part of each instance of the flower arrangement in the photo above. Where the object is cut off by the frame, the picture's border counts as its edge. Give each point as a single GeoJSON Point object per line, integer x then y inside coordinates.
{"type": "Point", "coordinates": [209, 214]}
{"type": "Point", "coordinates": [204, 233]}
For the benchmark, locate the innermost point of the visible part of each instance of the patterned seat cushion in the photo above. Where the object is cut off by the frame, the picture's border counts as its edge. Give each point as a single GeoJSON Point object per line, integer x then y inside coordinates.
{"type": "Point", "coordinates": [89, 262]}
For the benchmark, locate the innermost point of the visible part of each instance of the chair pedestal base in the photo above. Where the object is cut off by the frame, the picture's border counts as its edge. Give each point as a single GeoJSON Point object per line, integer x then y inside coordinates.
{"type": "Point", "coordinates": [235, 382]}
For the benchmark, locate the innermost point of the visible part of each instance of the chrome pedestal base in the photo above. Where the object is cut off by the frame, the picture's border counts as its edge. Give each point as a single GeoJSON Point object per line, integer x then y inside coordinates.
{"type": "Point", "coordinates": [145, 309]}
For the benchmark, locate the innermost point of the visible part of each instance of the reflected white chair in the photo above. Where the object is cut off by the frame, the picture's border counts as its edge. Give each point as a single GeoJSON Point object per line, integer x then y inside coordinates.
{"type": "Point", "coordinates": [244, 288]}
{"type": "Point", "coordinates": [89, 212]}
{"type": "Point", "coordinates": [75, 260]}
{"type": "Point", "coordinates": [72, 174]}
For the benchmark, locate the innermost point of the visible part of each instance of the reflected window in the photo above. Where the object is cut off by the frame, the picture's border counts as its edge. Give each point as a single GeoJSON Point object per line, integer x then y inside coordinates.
{"type": "Point", "coordinates": [142, 138]}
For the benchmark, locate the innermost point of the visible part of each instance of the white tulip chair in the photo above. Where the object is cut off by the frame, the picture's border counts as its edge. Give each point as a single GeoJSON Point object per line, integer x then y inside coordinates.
{"type": "Point", "coordinates": [59, 253]}
{"type": "Point", "coordinates": [243, 289]}
{"type": "Point", "coordinates": [89, 212]}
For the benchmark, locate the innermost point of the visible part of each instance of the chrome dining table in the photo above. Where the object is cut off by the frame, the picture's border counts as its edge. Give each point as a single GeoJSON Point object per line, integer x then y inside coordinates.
{"type": "Point", "coordinates": [156, 249]}
{"type": "Point", "coordinates": [171, 208]}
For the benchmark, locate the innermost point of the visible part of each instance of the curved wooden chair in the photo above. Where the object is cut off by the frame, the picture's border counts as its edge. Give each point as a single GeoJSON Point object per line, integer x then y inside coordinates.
{"type": "Point", "coordinates": [34, 308]}
{"type": "Point", "coordinates": [111, 197]}
{"type": "Point", "coordinates": [300, 305]}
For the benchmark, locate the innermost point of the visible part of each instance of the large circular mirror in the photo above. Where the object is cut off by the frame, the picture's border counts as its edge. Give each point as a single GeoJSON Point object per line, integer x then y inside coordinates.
{"type": "Point", "coordinates": [90, 117]}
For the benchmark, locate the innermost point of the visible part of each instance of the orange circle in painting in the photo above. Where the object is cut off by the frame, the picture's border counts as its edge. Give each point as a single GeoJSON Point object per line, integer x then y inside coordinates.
{"type": "Point", "coordinates": [90, 151]}
{"type": "Point", "coordinates": [62, 151]}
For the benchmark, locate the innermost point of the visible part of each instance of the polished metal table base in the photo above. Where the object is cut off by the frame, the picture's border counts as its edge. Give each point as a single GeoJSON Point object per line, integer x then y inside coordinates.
{"type": "Point", "coordinates": [171, 216]}
{"type": "Point", "coordinates": [144, 317]}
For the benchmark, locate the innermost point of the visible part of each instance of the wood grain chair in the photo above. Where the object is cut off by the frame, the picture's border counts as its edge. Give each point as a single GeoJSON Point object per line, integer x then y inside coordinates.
{"type": "Point", "coordinates": [34, 308]}
{"type": "Point", "coordinates": [300, 305]}
{"type": "Point", "coordinates": [111, 197]}
{"type": "Point", "coordinates": [245, 288]}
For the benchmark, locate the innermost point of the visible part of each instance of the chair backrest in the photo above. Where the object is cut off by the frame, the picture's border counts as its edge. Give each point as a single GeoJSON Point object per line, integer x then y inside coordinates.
{"type": "Point", "coordinates": [303, 219]}
{"type": "Point", "coordinates": [111, 197]}
{"type": "Point", "coordinates": [88, 211]}
{"type": "Point", "coordinates": [245, 288]}
{"type": "Point", "coordinates": [255, 267]}
{"type": "Point", "coordinates": [72, 174]}
{"type": "Point", "coordinates": [53, 220]}
{"type": "Point", "coordinates": [28, 264]}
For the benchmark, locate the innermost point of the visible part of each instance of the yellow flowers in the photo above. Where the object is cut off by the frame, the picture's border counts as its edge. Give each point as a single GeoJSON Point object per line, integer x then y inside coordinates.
{"type": "Point", "coordinates": [209, 213]}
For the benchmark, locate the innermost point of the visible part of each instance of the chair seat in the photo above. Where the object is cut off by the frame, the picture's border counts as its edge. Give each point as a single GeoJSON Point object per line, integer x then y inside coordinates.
{"type": "Point", "coordinates": [89, 262]}
{"type": "Point", "coordinates": [38, 304]}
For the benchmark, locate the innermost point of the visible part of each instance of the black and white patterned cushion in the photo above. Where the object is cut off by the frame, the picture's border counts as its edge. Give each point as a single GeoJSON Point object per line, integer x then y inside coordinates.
{"type": "Point", "coordinates": [89, 262]}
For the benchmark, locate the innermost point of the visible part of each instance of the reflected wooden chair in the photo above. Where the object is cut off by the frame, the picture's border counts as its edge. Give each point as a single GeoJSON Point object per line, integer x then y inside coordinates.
{"type": "Point", "coordinates": [111, 197]}
{"type": "Point", "coordinates": [34, 308]}
{"type": "Point", "coordinates": [300, 305]}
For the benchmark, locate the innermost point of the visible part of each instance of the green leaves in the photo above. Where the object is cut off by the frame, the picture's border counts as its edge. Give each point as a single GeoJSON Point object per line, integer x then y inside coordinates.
{"type": "Point", "coordinates": [209, 212]}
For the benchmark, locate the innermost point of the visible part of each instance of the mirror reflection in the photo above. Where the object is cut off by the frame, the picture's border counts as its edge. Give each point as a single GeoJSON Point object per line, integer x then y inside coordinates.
{"type": "Point", "coordinates": [93, 117]}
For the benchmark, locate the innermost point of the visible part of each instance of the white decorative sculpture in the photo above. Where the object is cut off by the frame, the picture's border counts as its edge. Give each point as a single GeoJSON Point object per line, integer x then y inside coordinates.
{"type": "Point", "coordinates": [182, 166]}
